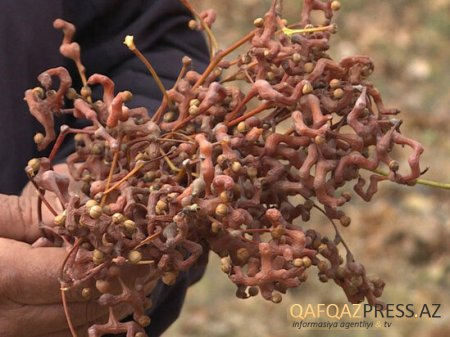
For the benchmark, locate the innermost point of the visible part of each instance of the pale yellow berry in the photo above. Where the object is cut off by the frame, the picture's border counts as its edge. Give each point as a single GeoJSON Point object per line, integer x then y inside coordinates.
{"type": "Point", "coordinates": [307, 262]}
{"type": "Point", "coordinates": [307, 88]}
{"type": "Point", "coordinates": [60, 219]}
{"type": "Point", "coordinates": [38, 138]}
{"type": "Point", "coordinates": [118, 218]}
{"type": "Point", "coordinates": [221, 210]}
{"type": "Point", "coordinates": [335, 83]}
{"type": "Point", "coordinates": [335, 5]}
{"type": "Point", "coordinates": [90, 203]}
{"type": "Point", "coordinates": [309, 67]}
{"type": "Point", "coordinates": [236, 166]}
{"type": "Point", "coordinates": [34, 164]}
{"type": "Point", "coordinates": [134, 256]}
{"type": "Point", "coordinates": [338, 93]}
{"type": "Point", "coordinates": [258, 22]}
{"type": "Point", "coordinates": [95, 212]}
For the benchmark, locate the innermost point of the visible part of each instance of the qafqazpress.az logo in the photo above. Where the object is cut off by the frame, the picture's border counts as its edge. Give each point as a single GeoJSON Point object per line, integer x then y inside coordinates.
{"type": "Point", "coordinates": [357, 316]}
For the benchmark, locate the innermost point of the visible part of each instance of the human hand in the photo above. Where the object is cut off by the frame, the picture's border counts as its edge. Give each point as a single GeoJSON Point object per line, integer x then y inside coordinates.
{"type": "Point", "coordinates": [30, 296]}
{"type": "Point", "coordinates": [19, 214]}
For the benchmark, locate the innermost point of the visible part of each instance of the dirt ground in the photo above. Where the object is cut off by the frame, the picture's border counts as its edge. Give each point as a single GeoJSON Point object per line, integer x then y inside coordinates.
{"type": "Point", "coordinates": [403, 234]}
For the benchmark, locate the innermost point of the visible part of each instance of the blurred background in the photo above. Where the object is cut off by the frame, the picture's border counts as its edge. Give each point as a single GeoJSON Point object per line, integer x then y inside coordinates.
{"type": "Point", "coordinates": [403, 234]}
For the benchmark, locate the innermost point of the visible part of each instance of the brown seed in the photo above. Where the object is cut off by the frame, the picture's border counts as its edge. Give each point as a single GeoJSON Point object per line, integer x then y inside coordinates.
{"type": "Point", "coordinates": [86, 293]}
{"type": "Point", "coordinates": [144, 320]}
{"type": "Point", "coordinates": [276, 298]}
{"type": "Point", "coordinates": [242, 254]}
{"type": "Point", "coordinates": [345, 220]}
{"type": "Point", "coordinates": [86, 188]}
{"type": "Point", "coordinates": [394, 165]}
{"type": "Point", "coordinates": [253, 291]}
{"type": "Point", "coordinates": [169, 278]}
{"type": "Point", "coordinates": [322, 266]}
{"type": "Point", "coordinates": [323, 278]}
{"type": "Point", "coordinates": [308, 204]}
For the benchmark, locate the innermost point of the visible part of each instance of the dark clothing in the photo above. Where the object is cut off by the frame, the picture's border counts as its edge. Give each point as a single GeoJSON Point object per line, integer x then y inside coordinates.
{"type": "Point", "coordinates": [29, 45]}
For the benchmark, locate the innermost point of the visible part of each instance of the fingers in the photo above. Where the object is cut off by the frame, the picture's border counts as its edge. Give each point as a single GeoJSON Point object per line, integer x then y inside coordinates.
{"type": "Point", "coordinates": [50, 320]}
{"type": "Point", "coordinates": [30, 292]}
{"type": "Point", "coordinates": [19, 214]}
{"type": "Point", "coordinates": [16, 217]}
{"type": "Point", "coordinates": [30, 275]}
